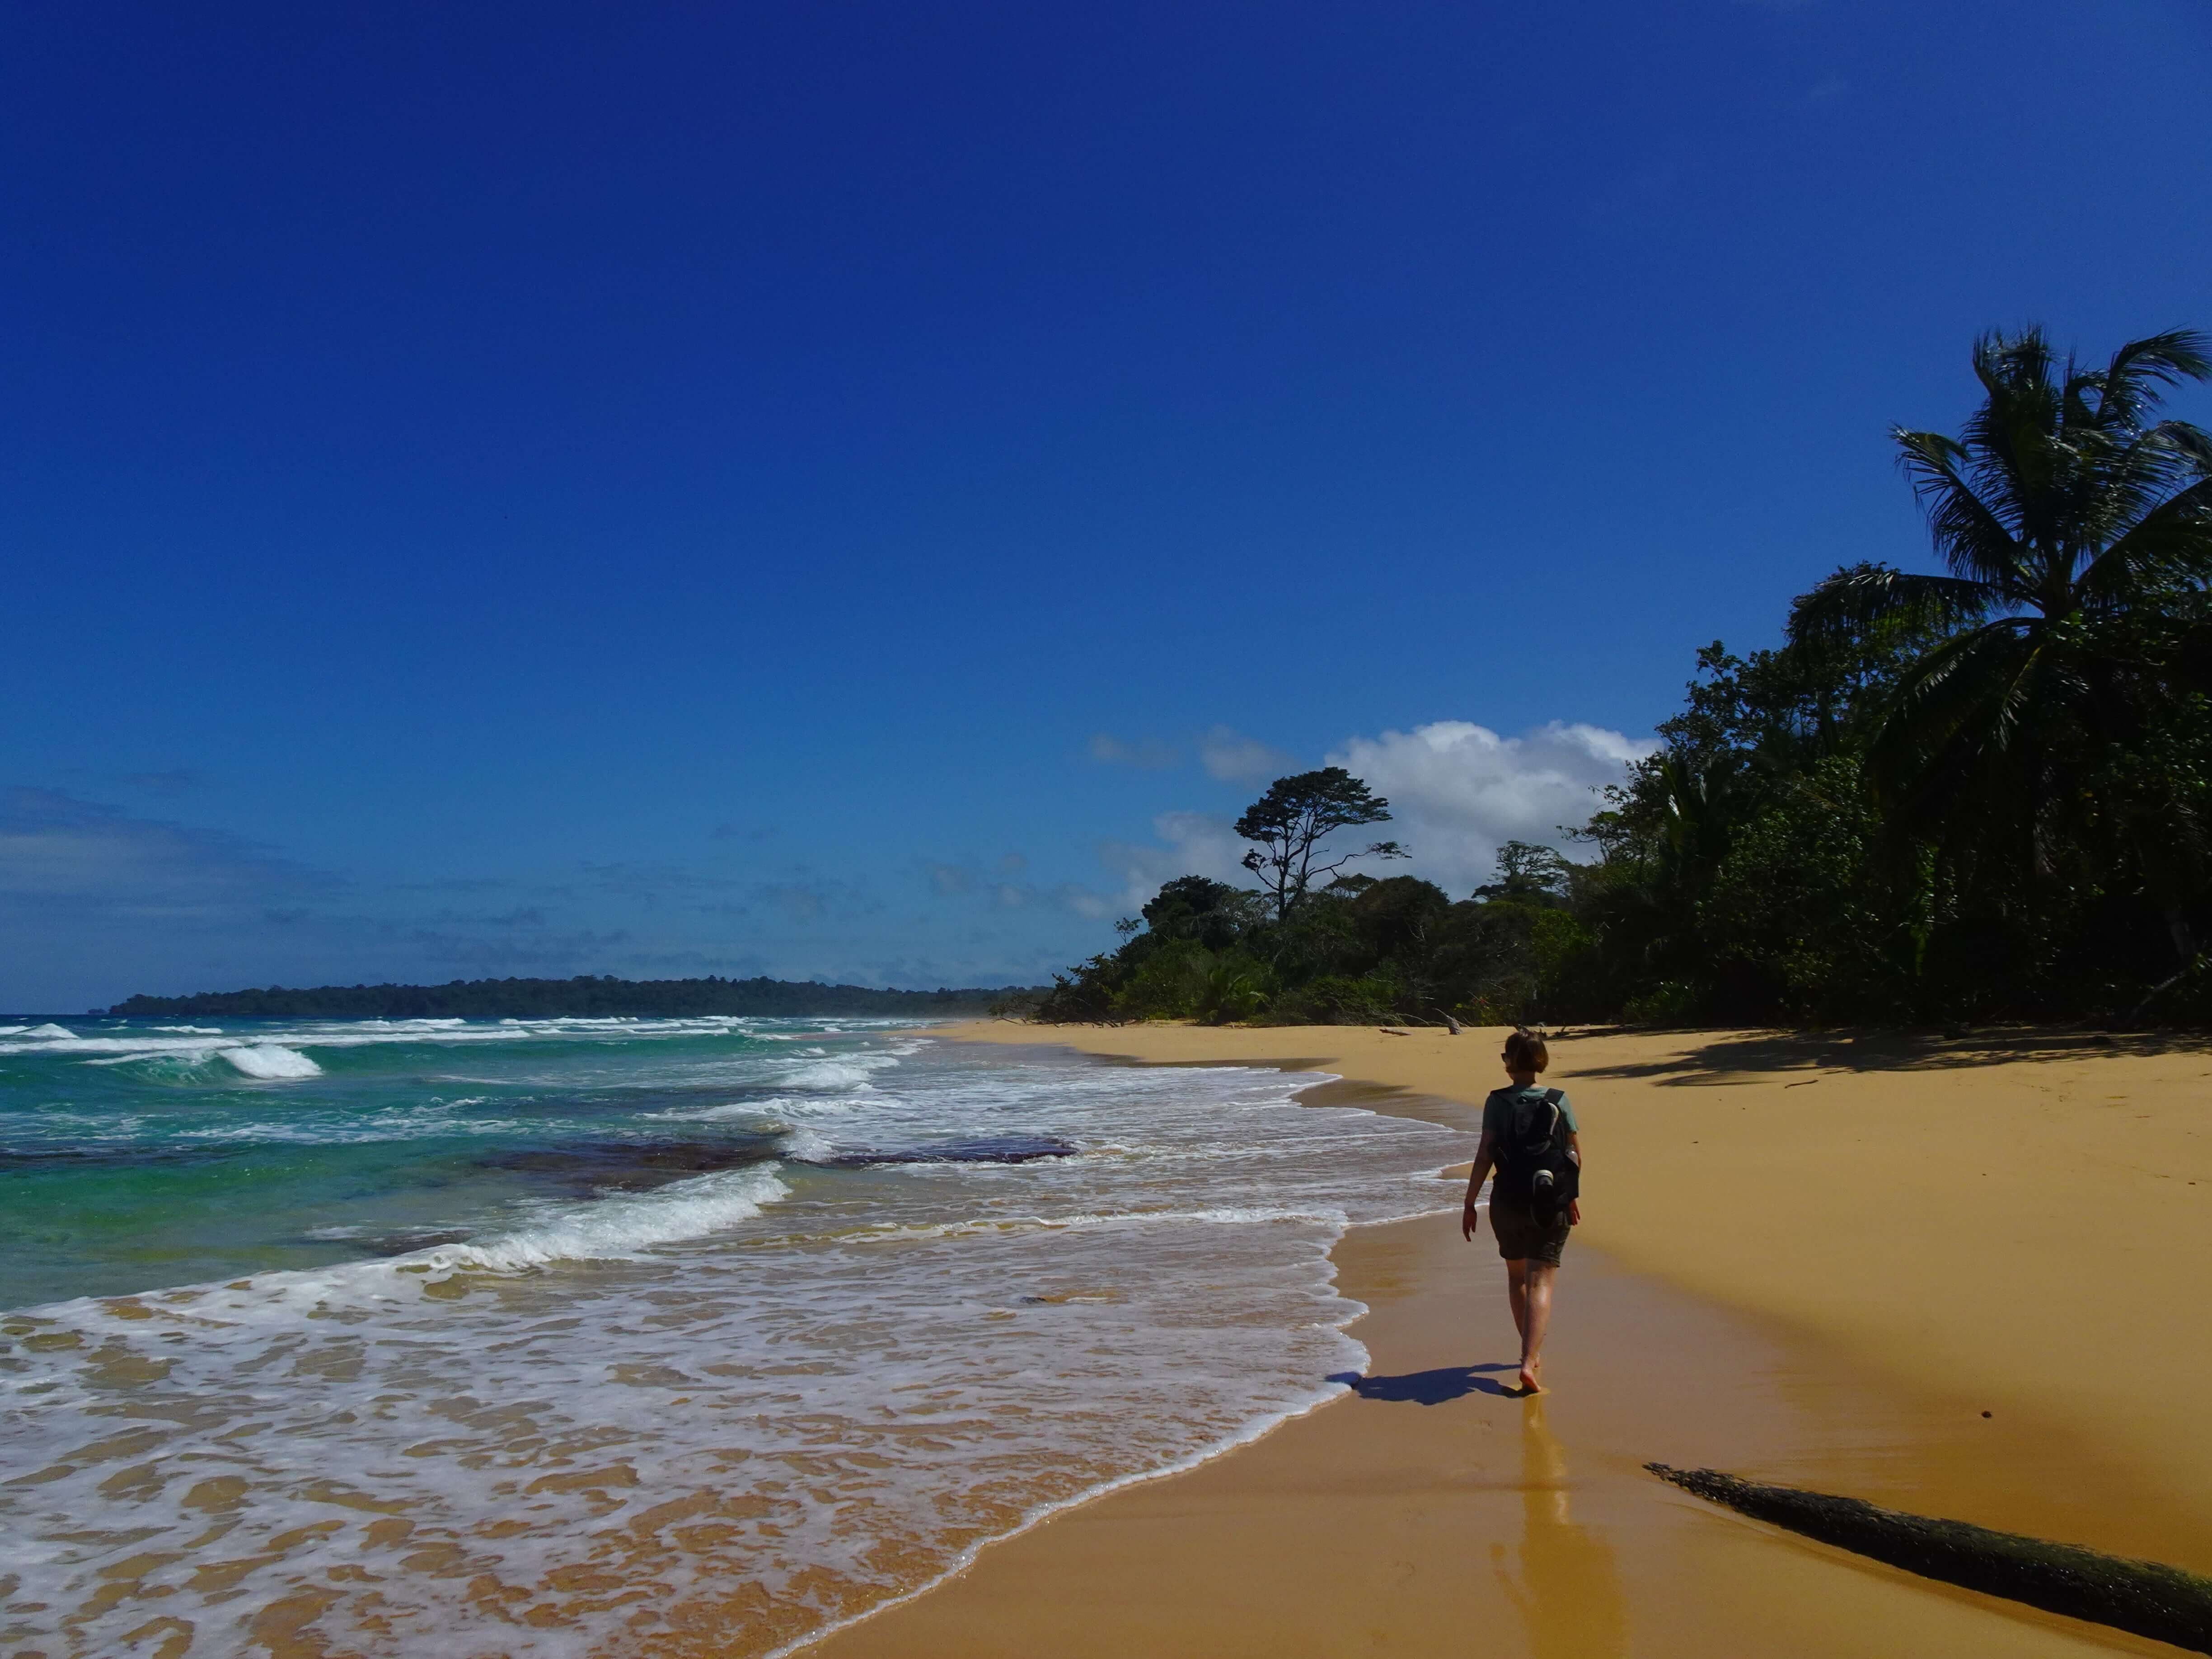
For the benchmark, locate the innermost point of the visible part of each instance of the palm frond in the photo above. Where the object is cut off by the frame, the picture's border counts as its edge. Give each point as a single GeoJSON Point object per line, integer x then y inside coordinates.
{"type": "Point", "coordinates": [2125, 476]}
{"type": "Point", "coordinates": [2140, 372]}
{"type": "Point", "coordinates": [2003, 362]}
{"type": "Point", "coordinates": [1972, 535]}
{"type": "Point", "coordinates": [2013, 442]}
{"type": "Point", "coordinates": [2172, 542]}
{"type": "Point", "coordinates": [1948, 724]}
{"type": "Point", "coordinates": [2082, 400]}
{"type": "Point", "coordinates": [1853, 602]}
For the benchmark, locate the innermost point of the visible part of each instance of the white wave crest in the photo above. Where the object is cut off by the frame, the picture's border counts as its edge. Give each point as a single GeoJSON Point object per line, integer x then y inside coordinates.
{"type": "Point", "coordinates": [838, 1077]}
{"type": "Point", "coordinates": [610, 1229]}
{"type": "Point", "coordinates": [803, 1146]}
{"type": "Point", "coordinates": [268, 1059]}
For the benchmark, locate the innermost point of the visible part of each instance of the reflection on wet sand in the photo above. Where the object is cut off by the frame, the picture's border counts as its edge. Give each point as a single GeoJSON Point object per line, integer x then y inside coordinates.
{"type": "Point", "coordinates": [1566, 1587]}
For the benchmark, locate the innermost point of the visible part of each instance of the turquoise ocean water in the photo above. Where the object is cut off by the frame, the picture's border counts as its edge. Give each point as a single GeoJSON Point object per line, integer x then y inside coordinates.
{"type": "Point", "coordinates": [614, 1336]}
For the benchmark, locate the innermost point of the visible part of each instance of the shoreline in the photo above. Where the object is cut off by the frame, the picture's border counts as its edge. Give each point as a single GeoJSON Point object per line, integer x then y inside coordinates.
{"type": "Point", "coordinates": [1387, 1518]}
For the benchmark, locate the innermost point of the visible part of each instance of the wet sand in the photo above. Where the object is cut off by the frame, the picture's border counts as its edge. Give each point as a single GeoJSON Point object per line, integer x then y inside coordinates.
{"type": "Point", "coordinates": [1796, 1332]}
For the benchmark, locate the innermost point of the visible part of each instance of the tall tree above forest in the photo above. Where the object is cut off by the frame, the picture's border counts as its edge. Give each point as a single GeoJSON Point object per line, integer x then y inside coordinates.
{"type": "Point", "coordinates": [2078, 532]}
{"type": "Point", "coordinates": [1528, 873]}
{"type": "Point", "coordinates": [1294, 817]}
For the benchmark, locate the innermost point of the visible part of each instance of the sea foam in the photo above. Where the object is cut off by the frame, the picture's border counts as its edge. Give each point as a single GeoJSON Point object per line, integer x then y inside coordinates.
{"type": "Point", "coordinates": [719, 1417]}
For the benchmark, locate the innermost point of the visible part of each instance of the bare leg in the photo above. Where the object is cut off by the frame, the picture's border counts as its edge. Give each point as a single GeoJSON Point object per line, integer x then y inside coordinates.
{"type": "Point", "coordinates": [1517, 1293]}
{"type": "Point", "coordinates": [1536, 1298]}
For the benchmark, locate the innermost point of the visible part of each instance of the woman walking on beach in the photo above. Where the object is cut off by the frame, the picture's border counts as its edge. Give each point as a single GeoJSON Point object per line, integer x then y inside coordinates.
{"type": "Point", "coordinates": [1528, 1135]}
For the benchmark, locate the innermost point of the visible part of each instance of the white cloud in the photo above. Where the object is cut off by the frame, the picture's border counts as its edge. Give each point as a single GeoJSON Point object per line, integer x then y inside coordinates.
{"type": "Point", "coordinates": [1457, 791]}
{"type": "Point", "coordinates": [1008, 891]}
{"type": "Point", "coordinates": [1196, 845]}
{"type": "Point", "coordinates": [1229, 755]}
{"type": "Point", "coordinates": [1083, 900]}
{"type": "Point", "coordinates": [1147, 752]}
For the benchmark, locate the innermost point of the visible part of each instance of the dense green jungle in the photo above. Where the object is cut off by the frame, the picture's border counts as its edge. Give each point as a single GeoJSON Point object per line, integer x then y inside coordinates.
{"type": "Point", "coordinates": [1981, 795]}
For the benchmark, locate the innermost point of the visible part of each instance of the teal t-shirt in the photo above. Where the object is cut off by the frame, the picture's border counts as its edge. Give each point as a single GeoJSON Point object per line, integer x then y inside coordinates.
{"type": "Point", "coordinates": [1501, 1102]}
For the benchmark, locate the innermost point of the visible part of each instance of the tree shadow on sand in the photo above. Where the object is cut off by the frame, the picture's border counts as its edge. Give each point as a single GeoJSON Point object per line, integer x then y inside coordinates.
{"type": "Point", "coordinates": [1747, 1056]}
{"type": "Point", "coordinates": [1430, 1387]}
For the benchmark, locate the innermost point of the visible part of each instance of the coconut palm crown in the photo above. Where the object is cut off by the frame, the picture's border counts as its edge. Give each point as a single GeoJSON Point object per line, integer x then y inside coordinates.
{"type": "Point", "coordinates": [2078, 532]}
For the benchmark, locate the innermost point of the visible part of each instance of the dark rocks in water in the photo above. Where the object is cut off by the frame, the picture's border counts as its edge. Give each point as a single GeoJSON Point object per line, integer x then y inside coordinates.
{"type": "Point", "coordinates": [2144, 1598]}
{"type": "Point", "coordinates": [406, 1243]}
{"type": "Point", "coordinates": [70, 1157]}
{"type": "Point", "coordinates": [631, 1165]}
{"type": "Point", "coordinates": [77, 1159]}
{"type": "Point", "coordinates": [994, 1149]}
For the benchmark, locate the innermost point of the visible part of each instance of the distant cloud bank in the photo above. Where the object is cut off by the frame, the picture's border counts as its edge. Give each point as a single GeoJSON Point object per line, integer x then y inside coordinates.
{"type": "Point", "coordinates": [1457, 791]}
{"type": "Point", "coordinates": [1190, 844]}
{"type": "Point", "coordinates": [1229, 755]}
{"type": "Point", "coordinates": [1147, 752]}
{"type": "Point", "coordinates": [98, 901]}
{"type": "Point", "coordinates": [1222, 750]}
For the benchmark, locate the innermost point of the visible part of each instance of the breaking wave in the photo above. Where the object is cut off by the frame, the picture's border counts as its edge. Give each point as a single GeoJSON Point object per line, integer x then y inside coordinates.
{"type": "Point", "coordinates": [270, 1060]}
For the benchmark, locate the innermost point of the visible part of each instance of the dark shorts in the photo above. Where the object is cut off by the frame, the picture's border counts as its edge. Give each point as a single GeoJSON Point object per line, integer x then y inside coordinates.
{"type": "Point", "coordinates": [1519, 1237]}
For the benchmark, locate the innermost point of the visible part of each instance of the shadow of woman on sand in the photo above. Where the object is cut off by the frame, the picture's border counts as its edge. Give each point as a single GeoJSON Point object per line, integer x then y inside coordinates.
{"type": "Point", "coordinates": [1431, 1388]}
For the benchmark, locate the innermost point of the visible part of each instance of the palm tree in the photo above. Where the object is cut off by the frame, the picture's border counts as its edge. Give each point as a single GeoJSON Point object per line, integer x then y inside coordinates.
{"type": "Point", "coordinates": [2078, 532]}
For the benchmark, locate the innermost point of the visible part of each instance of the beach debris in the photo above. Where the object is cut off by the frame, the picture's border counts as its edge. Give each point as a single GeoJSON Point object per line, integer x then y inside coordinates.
{"type": "Point", "coordinates": [1451, 1024]}
{"type": "Point", "coordinates": [2144, 1598]}
{"type": "Point", "coordinates": [1391, 1032]}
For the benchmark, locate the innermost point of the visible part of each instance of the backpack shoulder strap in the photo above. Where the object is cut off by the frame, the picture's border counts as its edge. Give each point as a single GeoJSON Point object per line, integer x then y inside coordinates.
{"type": "Point", "coordinates": [1554, 1096]}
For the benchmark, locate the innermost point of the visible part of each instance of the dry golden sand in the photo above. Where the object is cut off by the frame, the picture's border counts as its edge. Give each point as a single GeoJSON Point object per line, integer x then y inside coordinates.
{"type": "Point", "coordinates": [1808, 1260]}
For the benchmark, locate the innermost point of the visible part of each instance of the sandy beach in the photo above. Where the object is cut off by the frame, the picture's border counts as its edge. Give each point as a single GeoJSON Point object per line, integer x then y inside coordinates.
{"type": "Point", "coordinates": [1962, 1278]}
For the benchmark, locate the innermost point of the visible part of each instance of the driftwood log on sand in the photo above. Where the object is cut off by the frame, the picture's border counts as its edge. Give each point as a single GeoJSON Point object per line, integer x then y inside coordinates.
{"type": "Point", "coordinates": [2142, 1597]}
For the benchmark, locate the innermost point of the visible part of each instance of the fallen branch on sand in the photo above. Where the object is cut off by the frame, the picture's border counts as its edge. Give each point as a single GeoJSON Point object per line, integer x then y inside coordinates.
{"type": "Point", "coordinates": [2142, 1597]}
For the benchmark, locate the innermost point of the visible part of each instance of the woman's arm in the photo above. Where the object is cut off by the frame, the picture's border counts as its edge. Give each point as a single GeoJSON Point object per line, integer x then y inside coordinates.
{"type": "Point", "coordinates": [1483, 1156]}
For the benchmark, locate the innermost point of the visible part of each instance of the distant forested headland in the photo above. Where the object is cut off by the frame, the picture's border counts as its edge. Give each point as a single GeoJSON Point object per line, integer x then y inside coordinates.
{"type": "Point", "coordinates": [523, 999]}
{"type": "Point", "coordinates": [1982, 794]}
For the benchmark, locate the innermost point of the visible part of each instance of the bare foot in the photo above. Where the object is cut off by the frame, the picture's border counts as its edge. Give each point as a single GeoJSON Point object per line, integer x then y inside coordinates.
{"type": "Point", "coordinates": [1531, 1382]}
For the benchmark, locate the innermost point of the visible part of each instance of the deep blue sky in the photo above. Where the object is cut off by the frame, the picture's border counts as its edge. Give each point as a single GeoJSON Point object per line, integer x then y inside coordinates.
{"type": "Point", "coordinates": [657, 488]}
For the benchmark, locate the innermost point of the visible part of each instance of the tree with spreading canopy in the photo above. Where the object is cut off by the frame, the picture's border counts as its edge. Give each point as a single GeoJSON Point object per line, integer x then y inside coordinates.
{"type": "Point", "coordinates": [1294, 817]}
